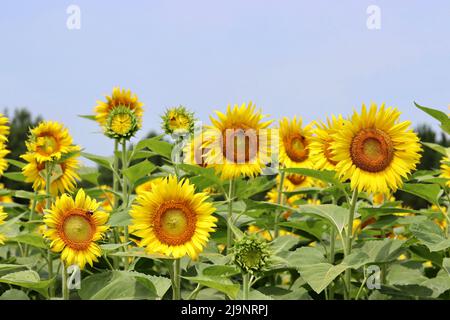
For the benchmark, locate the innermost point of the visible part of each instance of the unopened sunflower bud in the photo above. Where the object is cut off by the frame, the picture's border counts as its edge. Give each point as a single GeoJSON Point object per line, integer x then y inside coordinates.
{"type": "Point", "coordinates": [178, 121]}
{"type": "Point", "coordinates": [251, 254]}
{"type": "Point", "coordinates": [122, 123]}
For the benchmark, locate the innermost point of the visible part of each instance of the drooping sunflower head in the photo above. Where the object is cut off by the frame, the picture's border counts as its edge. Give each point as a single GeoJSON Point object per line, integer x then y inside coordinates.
{"type": "Point", "coordinates": [374, 150]}
{"type": "Point", "coordinates": [237, 142]}
{"type": "Point", "coordinates": [121, 115]}
{"type": "Point", "coordinates": [3, 216]}
{"type": "Point", "coordinates": [295, 143]}
{"type": "Point", "coordinates": [251, 254]}
{"type": "Point", "coordinates": [4, 128]}
{"type": "Point", "coordinates": [178, 121]}
{"type": "Point", "coordinates": [320, 146]}
{"type": "Point", "coordinates": [121, 123]}
{"type": "Point", "coordinates": [172, 219]}
{"type": "Point", "coordinates": [445, 170]}
{"type": "Point", "coordinates": [74, 226]}
{"type": "Point", "coordinates": [49, 141]}
{"type": "Point", "coordinates": [64, 173]}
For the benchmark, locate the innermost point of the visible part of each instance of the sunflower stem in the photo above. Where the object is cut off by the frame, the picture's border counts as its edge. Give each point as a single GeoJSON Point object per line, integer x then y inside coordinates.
{"type": "Point", "coordinates": [332, 253]}
{"type": "Point", "coordinates": [116, 199]}
{"type": "Point", "coordinates": [245, 286]}
{"type": "Point", "coordinates": [65, 288]}
{"type": "Point", "coordinates": [349, 238]}
{"type": "Point", "coordinates": [48, 176]}
{"type": "Point", "coordinates": [279, 201]}
{"type": "Point", "coordinates": [176, 290]}
{"type": "Point", "coordinates": [30, 216]}
{"type": "Point", "coordinates": [230, 216]}
{"type": "Point", "coordinates": [125, 196]}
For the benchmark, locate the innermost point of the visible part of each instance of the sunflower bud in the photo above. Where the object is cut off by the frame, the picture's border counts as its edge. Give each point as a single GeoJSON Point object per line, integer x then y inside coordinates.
{"type": "Point", "coordinates": [122, 123]}
{"type": "Point", "coordinates": [251, 254]}
{"type": "Point", "coordinates": [178, 121]}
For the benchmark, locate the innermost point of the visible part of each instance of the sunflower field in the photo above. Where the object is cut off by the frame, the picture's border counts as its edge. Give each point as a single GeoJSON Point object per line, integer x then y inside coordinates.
{"type": "Point", "coordinates": [244, 207]}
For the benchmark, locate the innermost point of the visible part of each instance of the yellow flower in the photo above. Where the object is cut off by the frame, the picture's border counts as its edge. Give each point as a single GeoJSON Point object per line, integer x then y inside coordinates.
{"type": "Point", "coordinates": [375, 151]}
{"type": "Point", "coordinates": [2, 221]}
{"type": "Point", "coordinates": [64, 174]}
{"type": "Point", "coordinates": [74, 226]}
{"type": "Point", "coordinates": [320, 146]}
{"type": "Point", "coordinates": [147, 186]}
{"type": "Point", "coordinates": [3, 162]}
{"type": "Point", "coordinates": [295, 143]}
{"type": "Point", "coordinates": [107, 198]}
{"type": "Point", "coordinates": [5, 198]}
{"type": "Point", "coordinates": [294, 181]}
{"type": "Point", "coordinates": [4, 128]}
{"type": "Point", "coordinates": [121, 115]}
{"type": "Point", "coordinates": [172, 219]}
{"type": "Point", "coordinates": [49, 141]}
{"type": "Point", "coordinates": [195, 152]}
{"type": "Point", "coordinates": [237, 142]}
{"type": "Point", "coordinates": [178, 120]}
{"type": "Point", "coordinates": [380, 198]}
{"type": "Point", "coordinates": [445, 170]}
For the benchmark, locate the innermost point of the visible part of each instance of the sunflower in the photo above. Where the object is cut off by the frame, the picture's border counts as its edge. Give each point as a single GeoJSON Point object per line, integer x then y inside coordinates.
{"type": "Point", "coordinates": [178, 121]}
{"type": "Point", "coordinates": [74, 226]}
{"type": "Point", "coordinates": [172, 219]}
{"type": "Point", "coordinates": [4, 128]}
{"type": "Point", "coordinates": [3, 162]}
{"type": "Point", "coordinates": [374, 150]}
{"type": "Point", "coordinates": [49, 141]}
{"type": "Point", "coordinates": [320, 146]}
{"type": "Point", "coordinates": [295, 143]}
{"type": "Point", "coordinates": [445, 170]}
{"type": "Point", "coordinates": [6, 198]}
{"type": "Point", "coordinates": [2, 221]}
{"type": "Point", "coordinates": [237, 142]}
{"type": "Point", "coordinates": [64, 174]}
{"type": "Point", "coordinates": [195, 152]}
{"type": "Point", "coordinates": [121, 115]}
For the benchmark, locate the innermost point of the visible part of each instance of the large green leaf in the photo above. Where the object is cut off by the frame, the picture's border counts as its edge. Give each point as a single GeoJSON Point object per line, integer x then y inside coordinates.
{"type": "Point", "coordinates": [15, 176]}
{"type": "Point", "coordinates": [120, 219]}
{"type": "Point", "coordinates": [429, 192]}
{"type": "Point", "coordinates": [222, 284]}
{"type": "Point", "coordinates": [28, 279]}
{"type": "Point", "coordinates": [117, 285]}
{"type": "Point", "coordinates": [429, 234]}
{"type": "Point", "coordinates": [442, 117]}
{"type": "Point", "coordinates": [90, 175]}
{"type": "Point", "coordinates": [221, 271]}
{"type": "Point", "coordinates": [14, 294]}
{"type": "Point", "coordinates": [437, 147]}
{"type": "Point", "coordinates": [156, 145]}
{"type": "Point", "coordinates": [105, 162]}
{"type": "Point", "coordinates": [381, 251]}
{"type": "Point", "coordinates": [138, 171]}
{"type": "Point", "coordinates": [31, 239]}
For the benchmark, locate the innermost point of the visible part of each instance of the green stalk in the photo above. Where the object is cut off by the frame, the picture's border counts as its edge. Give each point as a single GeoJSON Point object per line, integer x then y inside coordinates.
{"type": "Point", "coordinates": [349, 238]}
{"type": "Point", "coordinates": [332, 253]}
{"type": "Point", "coordinates": [245, 286]}
{"type": "Point", "coordinates": [230, 216]}
{"type": "Point", "coordinates": [30, 217]}
{"type": "Point", "coordinates": [279, 201]}
{"type": "Point", "coordinates": [65, 288]}
{"type": "Point", "coordinates": [176, 290]}
{"type": "Point", "coordinates": [116, 199]}
{"type": "Point", "coordinates": [48, 176]}
{"type": "Point", "coordinates": [125, 195]}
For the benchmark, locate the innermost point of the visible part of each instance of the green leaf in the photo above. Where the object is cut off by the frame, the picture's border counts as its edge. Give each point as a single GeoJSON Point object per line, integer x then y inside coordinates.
{"type": "Point", "coordinates": [381, 251]}
{"type": "Point", "coordinates": [90, 175]}
{"type": "Point", "coordinates": [220, 271]}
{"type": "Point", "coordinates": [31, 239]}
{"type": "Point", "coordinates": [323, 175]}
{"type": "Point", "coordinates": [14, 294]}
{"type": "Point", "coordinates": [429, 192]}
{"type": "Point", "coordinates": [28, 279]}
{"type": "Point", "coordinates": [442, 117]}
{"type": "Point", "coordinates": [317, 271]}
{"type": "Point", "coordinates": [9, 267]}
{"type": "Point", "coordinates": [117, 285]}
{"type": "Point", "coordinates": [88, 116]}
{"type": "Point", "coordinates": [105, 162]}
{"type": "Point", "coordinates": [311, 228]}
{"type": "Point", "coordinates": [221, 284]}
{"type": "Point", "coordinates": [138, 171]}
{"type": "Point", "coordinates": [283, 243]}
{"type": "Point", "coordinates": [16, 163]}
{"type": "Point", "coordinates": [156, 145]}
{"type": "Point", "coordinates": [437, 147]}
{"type": "Point", "coordinates": [15, 176]}
{"type": "Point", "coordinates": [29, 195]}
{"type": "Point", "coordinates": [429, 234]}
{"type": "Point", "coordinates": [207, 175]}
{"type": "Point", "coordinates": [120, 219]}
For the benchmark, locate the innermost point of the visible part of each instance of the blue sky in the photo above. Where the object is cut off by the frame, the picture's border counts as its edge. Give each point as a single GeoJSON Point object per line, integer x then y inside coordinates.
{"type": "Point", "coordinates": [306, 58]}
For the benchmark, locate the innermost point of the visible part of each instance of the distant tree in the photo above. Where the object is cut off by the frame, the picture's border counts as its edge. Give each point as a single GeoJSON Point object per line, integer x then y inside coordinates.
{"type": "Point", "coordinates": [20, 123]}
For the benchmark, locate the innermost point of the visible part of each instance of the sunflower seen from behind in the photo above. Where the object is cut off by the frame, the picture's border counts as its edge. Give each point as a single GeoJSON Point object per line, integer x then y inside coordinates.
{"type": "Point", "coordinates": [74, 226]}
{"type": "Point", "coordinates": [237, 142]}
{"type": "Point", "coordinates": [375, 150]}
{"type": "Point", "coordinates": [172, 219]}
{"type": "Point", "coordinates": [121, 115]}
{"type": "Point", "coordinates": [64, 174]}
{"type": "Point", "coordinates": [321, 155]}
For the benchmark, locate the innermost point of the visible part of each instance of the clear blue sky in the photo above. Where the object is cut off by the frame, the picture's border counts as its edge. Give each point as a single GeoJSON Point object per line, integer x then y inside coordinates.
{"type": "Point", "coordinates": [309, 58]}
